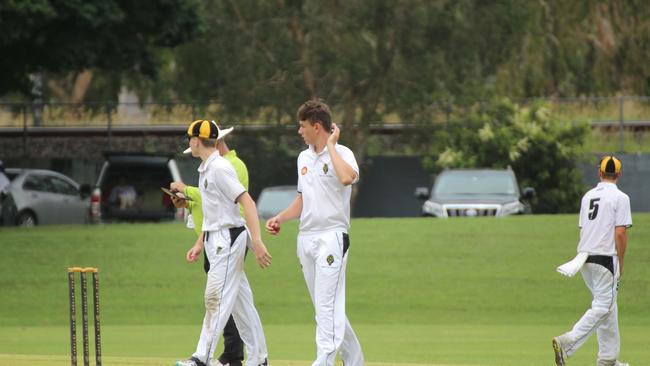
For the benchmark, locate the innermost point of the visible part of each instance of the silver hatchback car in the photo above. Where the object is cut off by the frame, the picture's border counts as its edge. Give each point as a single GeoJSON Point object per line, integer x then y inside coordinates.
{"type": "Point", "coordinates": [39, 197]}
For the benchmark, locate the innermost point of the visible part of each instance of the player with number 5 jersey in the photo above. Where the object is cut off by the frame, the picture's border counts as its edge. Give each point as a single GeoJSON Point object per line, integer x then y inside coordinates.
{"type": "Point", "coordinates": [604, 218]}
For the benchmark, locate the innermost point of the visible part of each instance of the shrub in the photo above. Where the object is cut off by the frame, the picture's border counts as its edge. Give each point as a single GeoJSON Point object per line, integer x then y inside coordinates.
{"type": "Point", "coordinates": [541, 148]}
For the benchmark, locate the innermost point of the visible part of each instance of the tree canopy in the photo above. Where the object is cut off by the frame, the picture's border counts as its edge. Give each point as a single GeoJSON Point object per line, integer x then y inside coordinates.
{"type": "Point", "coordinates": [62, 36]}
{"type": "Point", "coordinates": [372, 60]}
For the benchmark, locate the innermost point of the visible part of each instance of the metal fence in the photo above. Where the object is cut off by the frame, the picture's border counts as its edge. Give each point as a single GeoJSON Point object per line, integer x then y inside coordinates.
{"type": "Point", "coordinates": [97, 114]}
{"type": "Point", "coordinates": [625, 115]}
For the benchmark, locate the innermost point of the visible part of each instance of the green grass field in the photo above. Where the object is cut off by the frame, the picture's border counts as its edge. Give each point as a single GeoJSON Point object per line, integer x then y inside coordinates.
{"type": "Point", "coordinates": [419, 292]}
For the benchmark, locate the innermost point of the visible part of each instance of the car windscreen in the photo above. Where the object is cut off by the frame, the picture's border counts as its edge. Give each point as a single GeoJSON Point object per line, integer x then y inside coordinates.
{"type": "Point", "coordinates": [39, 183]}
{"type": "Point", "coordinates": [48, 183]}
{"type": "Point", "coordinates": [475, 183]}
{"type": "Point", "coordinates": [62, 187]}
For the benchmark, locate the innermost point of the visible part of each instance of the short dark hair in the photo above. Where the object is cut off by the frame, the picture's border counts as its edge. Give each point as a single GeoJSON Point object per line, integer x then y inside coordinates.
{"type": "Point", "coordinates": [316, 111]}
{"type": "Point", "coordinates": [208, 142]}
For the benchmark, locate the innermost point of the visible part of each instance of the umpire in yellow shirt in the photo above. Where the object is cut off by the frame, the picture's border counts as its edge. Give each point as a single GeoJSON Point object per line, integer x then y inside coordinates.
{"type": "Point", "coordinates": [233, 354]}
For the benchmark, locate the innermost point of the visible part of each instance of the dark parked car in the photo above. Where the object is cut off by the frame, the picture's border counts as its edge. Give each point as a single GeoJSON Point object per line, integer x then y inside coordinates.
{"type": "Point", "coordinates": [273, 200]}
{"type": "Point", "coordinates": [39, 197]}
{"type": "Point", "coordinates": [128, 188]}
{"type": "Point", "coordinates": [5, 180]}
{"type": "Point", "coordinates": [475, 192]}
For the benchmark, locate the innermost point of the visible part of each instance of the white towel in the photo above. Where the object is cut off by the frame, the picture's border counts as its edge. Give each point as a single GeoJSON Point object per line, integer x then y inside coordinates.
{"type": "Point", "coordinates": [572, 267]}
{"type": "Point", "coordinates": [190, 222]}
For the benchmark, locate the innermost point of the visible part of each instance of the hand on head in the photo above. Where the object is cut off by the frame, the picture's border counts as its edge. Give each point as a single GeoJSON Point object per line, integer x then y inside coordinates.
{"type": "Point", "coordinates": [334, 137]}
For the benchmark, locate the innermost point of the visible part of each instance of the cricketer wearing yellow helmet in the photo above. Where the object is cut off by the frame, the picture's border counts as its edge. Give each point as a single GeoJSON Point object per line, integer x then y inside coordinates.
{"type": "Point", "coordinates": [604, 218]}
{"type": "Point", "coordinates": [224, 239]}
{"type": "Point", "coordinates": [233, 353]}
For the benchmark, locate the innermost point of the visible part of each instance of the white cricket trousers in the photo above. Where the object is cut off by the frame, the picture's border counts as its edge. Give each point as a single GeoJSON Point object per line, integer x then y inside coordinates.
{"type": "Point", "coordinates": [323, 262]}
{"type": "Point", "coordinates": [227, 291]}
{"type": "Point", "coordinates": [603, 315]}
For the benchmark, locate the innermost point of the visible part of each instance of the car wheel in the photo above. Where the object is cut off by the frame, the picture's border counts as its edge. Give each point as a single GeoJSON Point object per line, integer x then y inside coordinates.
{"type": "Point", "coordinates": [26, 219]}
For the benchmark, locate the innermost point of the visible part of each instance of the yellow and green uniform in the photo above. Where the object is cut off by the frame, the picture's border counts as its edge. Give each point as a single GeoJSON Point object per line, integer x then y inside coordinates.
{"type": "Point", "coordinates": [195, 207]}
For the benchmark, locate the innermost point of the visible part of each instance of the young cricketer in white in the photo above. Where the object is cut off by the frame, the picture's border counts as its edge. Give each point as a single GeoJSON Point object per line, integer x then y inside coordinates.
{"type": "Point", "coordinates": [326, 171]}
{"type": "Point", "coordinates": [224, 240]}
{"type": "Point", "coordinates": [604, 218]}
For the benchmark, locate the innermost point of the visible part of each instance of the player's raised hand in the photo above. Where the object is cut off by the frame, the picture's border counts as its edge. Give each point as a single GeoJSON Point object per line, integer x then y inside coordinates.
{"type": "Point", "coordinates": [261, 254]}
{"type": "Point", "coordinates": [272, 226]}
{"type": "Point", "coordinates": [334, 137]}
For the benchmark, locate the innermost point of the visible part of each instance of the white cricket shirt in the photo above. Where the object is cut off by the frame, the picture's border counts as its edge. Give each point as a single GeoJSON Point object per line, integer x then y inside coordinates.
{"type": "Point", "coordinates": [602, 209]}
{"type": "Point", "coordinates": [220, 189]}
{"type": "Point", "coordinates": [325, 200]}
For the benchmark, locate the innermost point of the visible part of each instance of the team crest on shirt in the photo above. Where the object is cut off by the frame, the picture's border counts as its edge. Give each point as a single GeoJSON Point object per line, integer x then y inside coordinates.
{"type": "Point", "coordinates": [303, 171]}
{"type": "Point", "coordinates": [330, 259]}
{"type": "Point", "coordinates": [325, 168]}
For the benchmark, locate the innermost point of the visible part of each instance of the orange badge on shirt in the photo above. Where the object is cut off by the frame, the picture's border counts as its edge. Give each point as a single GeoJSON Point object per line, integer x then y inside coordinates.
{"type": "Point", "coordinates": [303, 171]}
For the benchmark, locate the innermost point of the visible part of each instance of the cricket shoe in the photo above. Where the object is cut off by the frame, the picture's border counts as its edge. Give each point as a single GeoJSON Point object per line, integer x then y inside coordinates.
{"type": "Point", "coordinates": [217, 363]}
{"type": "Point", "coordinates": [611, 363]}
{"type": "Point", "coordinates": [560, 354]}
{"type": "Point", "coordinates": [191, 362]}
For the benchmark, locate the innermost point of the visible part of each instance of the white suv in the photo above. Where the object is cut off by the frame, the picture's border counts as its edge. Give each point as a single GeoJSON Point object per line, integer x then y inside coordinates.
{"type": "Point", "coordinates": [475, 192]}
